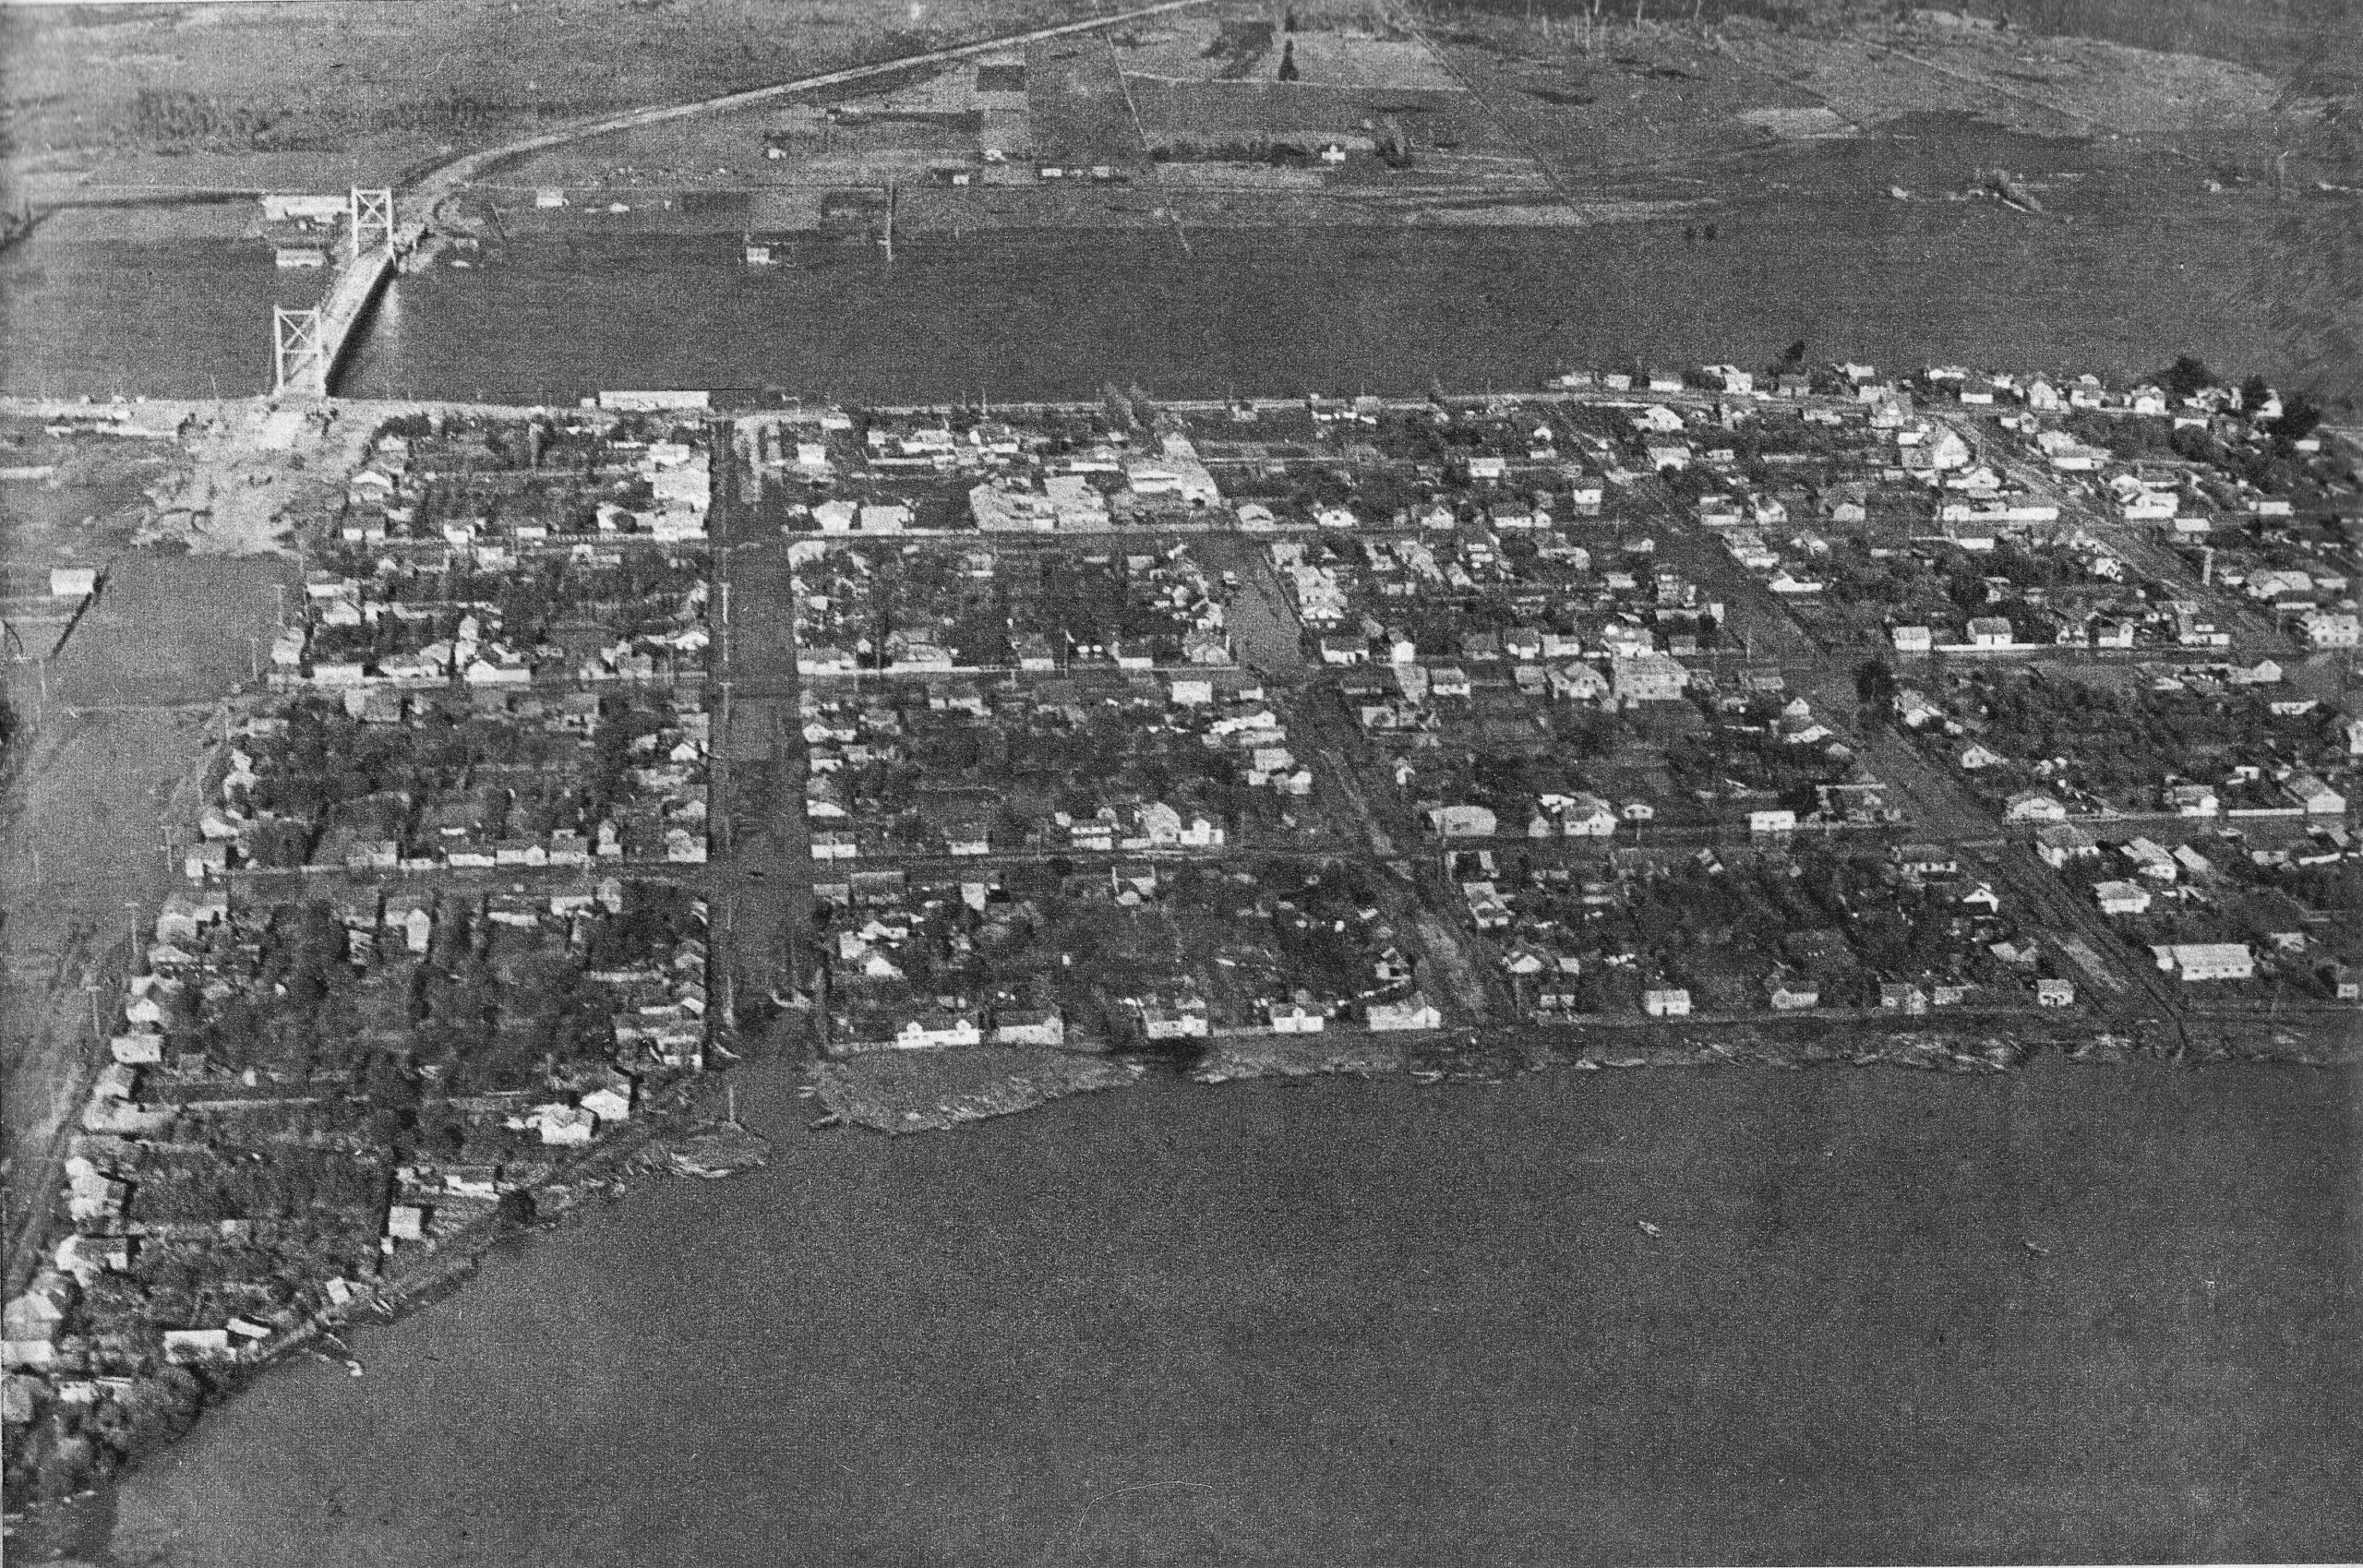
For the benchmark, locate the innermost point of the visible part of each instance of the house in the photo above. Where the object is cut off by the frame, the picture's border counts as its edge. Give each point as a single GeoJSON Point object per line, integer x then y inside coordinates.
{"type": "Point", "coordinates": [2063, 842]}
{"type": "Point", "coordinates": [2331, 628]}
{"type": "Point", "coordinates": [184, 1346]}
{"type": "Point", "coordinates": [2122, 898]}
{"type": "Point", "coordinates": [928, 1028]}
{"type": "Point", "coordinates": [2034, 805]}
{"type": "Point", "coordinates": [137, 1050]}
{"type": "Point", "coordinates": [1927, 860]}
{"type": "Point", "coordinates": [2192, 801]}
{"type": "Point", "coordinates": [563, 1124]}
{"type": "Point", "coordinates": [2315, 797]}
{"type": "Point", "coordinates": [1975, 757]}
{"type": "Point", "coordinates": [1487, 910]}
{"type": "Point", "coordinates": [1588, 816]}
{"type": "Point", "coordinates": [1779, 820]}
{"type": "Point", "coordinates": [1647, 677]}
{"type": "Point", "coordinates": [1029, 1026]}
{"type": "Point", "coordinates": [608, 1103]}
{"type": "Point", "coordinates": [1911, 639]}
{"type": "Point", "coordinates": [1790, 995]}
{"type": "Point", "coordinates": [186, 916]}
{"type": "Point", "coordinates": [2152, 860]}
{"type": "Point", "coordinates": [2054, 993]}
{"type": "Point", "coordinates": [2194, 961]}
{"type": "Point", "coordinates": [1914, 708]}
{"type": "Point", "coordinates": [1414, 1011]}
{"type": "Point", "coordinates": [1462, 821]}
{"type": "Point", "coordinates": [1179, 1018]}
{"type": "Point", "coordinates": [1296, 1015]}
{"type": "Point", "coordinates": [1989, 631]}
{"type": "Point", "coordinates": [413, 915]}
{"type": "Point", "coordinates": [1901, 996]}
{"type": "Point", "coordinates": [1666, 1002]}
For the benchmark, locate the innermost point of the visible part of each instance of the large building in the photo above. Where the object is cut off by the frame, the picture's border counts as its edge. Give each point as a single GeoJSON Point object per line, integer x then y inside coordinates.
{"type": "Point", "coordinates": [2206, 961]}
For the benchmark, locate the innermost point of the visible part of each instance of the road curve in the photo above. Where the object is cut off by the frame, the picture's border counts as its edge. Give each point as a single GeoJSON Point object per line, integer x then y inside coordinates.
{"type": "Point", "coordinates": [426, 193]}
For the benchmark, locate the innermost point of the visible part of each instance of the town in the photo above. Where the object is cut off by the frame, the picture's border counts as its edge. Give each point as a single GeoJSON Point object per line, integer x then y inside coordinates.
{"type": "Point", "coordinates": [1795, 707]}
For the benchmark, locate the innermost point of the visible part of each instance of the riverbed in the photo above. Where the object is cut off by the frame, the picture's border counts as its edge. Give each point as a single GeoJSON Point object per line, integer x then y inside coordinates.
{"type": "Point", "coordinates": [2066, 1312]}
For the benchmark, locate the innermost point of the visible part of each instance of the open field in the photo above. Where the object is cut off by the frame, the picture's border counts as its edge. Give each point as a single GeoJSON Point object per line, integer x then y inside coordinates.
{"type": "Point", "coordinates": [122, 95]}
{"type": "Point", "coordinates": [78, 839]}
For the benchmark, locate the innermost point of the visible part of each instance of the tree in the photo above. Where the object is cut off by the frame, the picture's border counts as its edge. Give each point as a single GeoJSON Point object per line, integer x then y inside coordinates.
{"type": "Point", "coordinates": [2255, 393]}
{"type": "Point", "coordinates": [2186, 375]}
{"type": "Point", "coordinates": [2298, 421]}
{"type": "Point", "coordinates": [1874, 689]}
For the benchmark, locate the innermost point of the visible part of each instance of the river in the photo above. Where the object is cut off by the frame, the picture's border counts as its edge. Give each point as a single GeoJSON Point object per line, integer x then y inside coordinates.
{"type": "Point", "coordinates": [1029, 314]}
{"type": "Point", "coordinates": [1373, 1323]}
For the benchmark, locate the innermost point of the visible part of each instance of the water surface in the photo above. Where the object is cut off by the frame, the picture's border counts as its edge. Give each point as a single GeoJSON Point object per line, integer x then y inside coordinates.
{"type": "Point", "coordinates": [1371, 1324]}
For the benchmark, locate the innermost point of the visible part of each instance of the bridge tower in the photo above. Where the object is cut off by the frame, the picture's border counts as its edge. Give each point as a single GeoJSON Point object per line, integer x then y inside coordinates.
{"type": "Point", "coordinates": [372, 219]}
{"type": "Point", "coordinates": [299, 358]}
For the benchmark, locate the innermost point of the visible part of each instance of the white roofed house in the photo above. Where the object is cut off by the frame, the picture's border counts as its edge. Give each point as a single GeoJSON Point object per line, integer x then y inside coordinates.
{"type": "Point", "coordinates": [2331, 628]}
{"type": "Point", "coordinates": [2195, 962]}
{"type": "Point", "coordinates": [1298, 1014]}
{"type": "Point", "coordinates": [1028, 1026]}
{"type": "Point", "coordinates": [2315, 797]}
{"type": "Point", "coordinates": [1588, 816]}
{"type": "Point", "coordinates": [1413, 1011]}
{"type": "Point", "coordinates": [2122, 898]}
{"type": "Point", "coordinates": [2192, 801]}
{"type": "Point", "coordinates": [2034, 805]}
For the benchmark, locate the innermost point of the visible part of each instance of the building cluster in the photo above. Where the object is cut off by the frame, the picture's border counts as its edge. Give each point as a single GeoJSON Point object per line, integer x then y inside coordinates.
{"type": "Point", "coordinates": [443, 616]}
{"type": "Point", "coordinates": [442, 922]}
{"type": "Point", "coordinates": [1837, 926]}
{"type": "Point", "coordinates": [299, 1087]}
{"type": "Point", "coordinates": [1139, 951]}
{"type": "Point", "coordinates": [479, 782]}
{"type": "Point", "coordinates": [496, 487]}
{"type": "Point", "coordinates": [1002, 608]}
{"type": "Point", "coordinates": [966, 766]}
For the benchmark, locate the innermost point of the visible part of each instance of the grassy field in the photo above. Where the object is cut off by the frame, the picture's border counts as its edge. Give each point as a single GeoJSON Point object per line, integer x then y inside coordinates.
{"type": "Point", "coordinates": [131, 90]}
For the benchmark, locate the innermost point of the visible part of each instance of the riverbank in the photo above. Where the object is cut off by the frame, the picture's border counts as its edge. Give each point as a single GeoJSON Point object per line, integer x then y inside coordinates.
{"type": "Point", "coordinates": [932, 1091]}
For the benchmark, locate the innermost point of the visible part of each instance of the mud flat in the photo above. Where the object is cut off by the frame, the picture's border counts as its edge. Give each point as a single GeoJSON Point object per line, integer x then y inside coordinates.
{"type": "Point", "coordinates": [928, 1092]}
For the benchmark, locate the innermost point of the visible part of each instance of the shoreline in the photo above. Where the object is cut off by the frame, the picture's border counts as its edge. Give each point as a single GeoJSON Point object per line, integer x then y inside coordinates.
{"type": "Point", "coordinates": [891, 1093]}
{"type": "Point", "coordinates": [613, 1170]}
